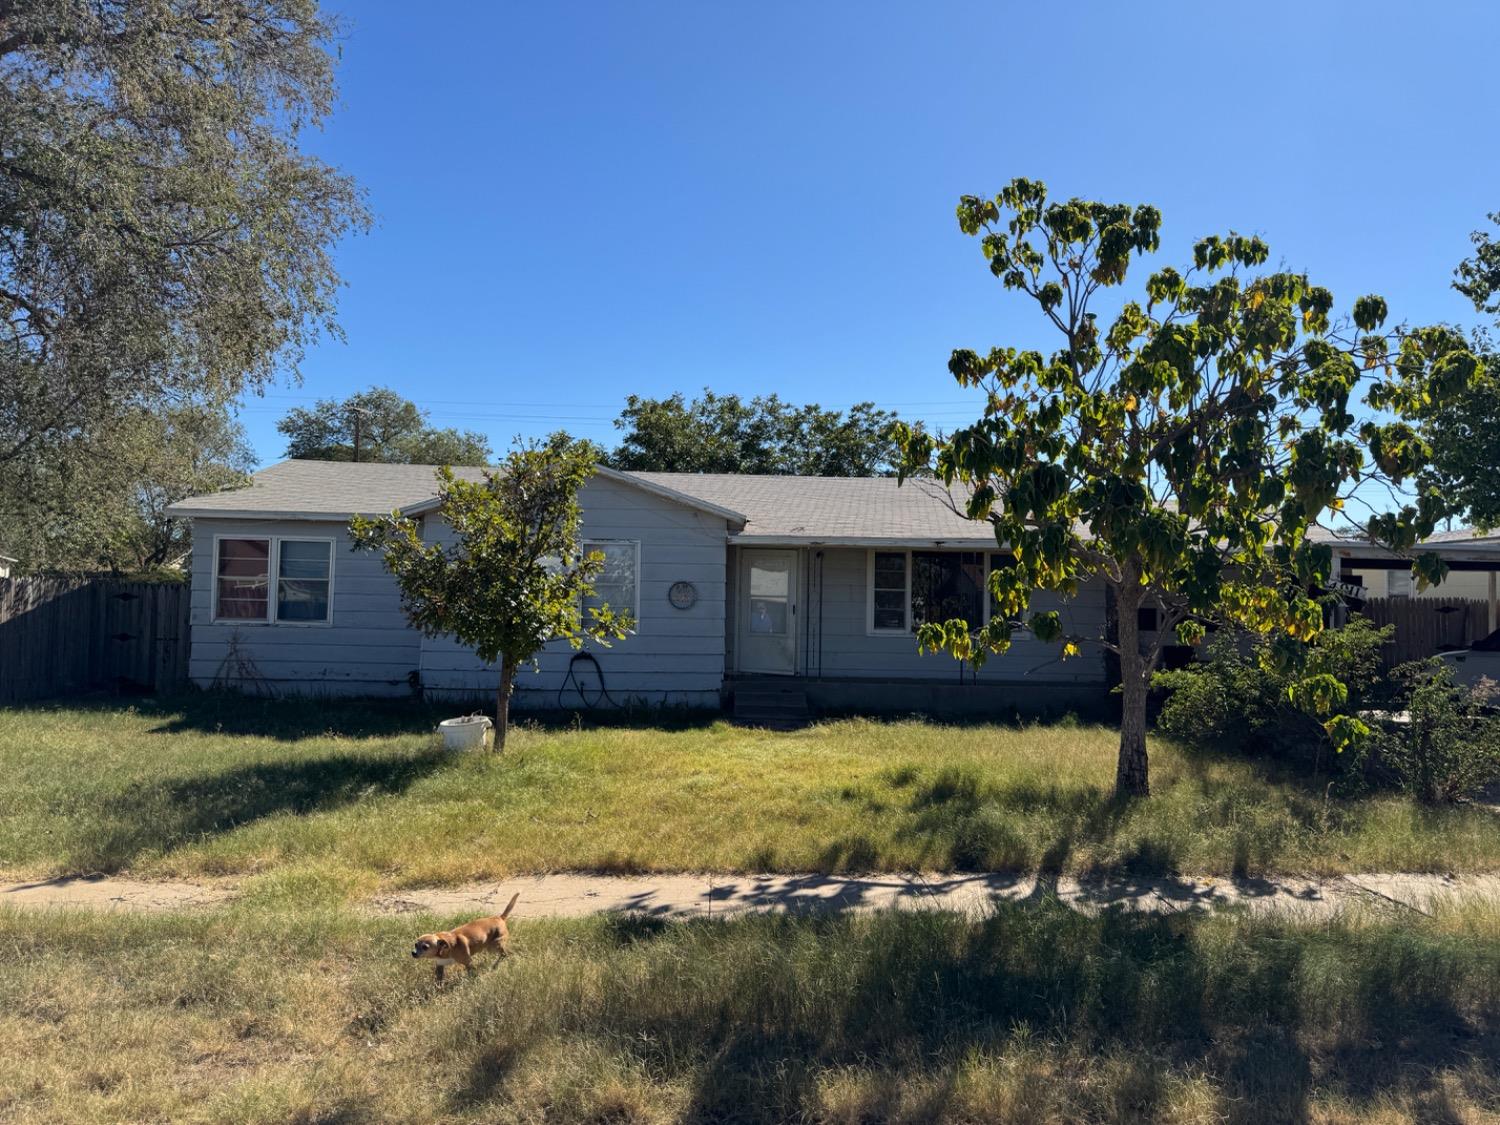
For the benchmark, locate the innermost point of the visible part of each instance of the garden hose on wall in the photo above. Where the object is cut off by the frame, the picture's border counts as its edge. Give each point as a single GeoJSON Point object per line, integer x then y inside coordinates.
{"type": "Point", "coordinates": [572, 678]}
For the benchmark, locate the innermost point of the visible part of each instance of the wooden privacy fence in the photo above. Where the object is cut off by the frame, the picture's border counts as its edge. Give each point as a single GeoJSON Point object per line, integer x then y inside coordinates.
{"type": "Point", "coordinates": [60, 636]}
{"type": "Point", "coordinates": [1428, 626]}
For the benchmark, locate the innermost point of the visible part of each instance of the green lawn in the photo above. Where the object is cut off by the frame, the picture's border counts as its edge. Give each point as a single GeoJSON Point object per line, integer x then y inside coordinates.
{"type": "Point", "coordinates": [1035, 1014]}
{"type": "Point", "coordinates": [362, 796]}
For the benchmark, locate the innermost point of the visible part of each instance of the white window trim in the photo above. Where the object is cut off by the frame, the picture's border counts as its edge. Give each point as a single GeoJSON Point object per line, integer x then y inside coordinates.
{"type": "Point", "coordinates": [635, 545]}
{"type": "Point", "coordinates": [870, 630]}
{"type": "Point", "coordinates": [906, 631]}
{"type": "Point", "coordinates": [273, 581]}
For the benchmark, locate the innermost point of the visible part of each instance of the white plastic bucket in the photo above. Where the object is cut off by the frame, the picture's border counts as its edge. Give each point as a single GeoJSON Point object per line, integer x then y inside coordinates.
{"type": "Point", "coordinates": [466, 733]}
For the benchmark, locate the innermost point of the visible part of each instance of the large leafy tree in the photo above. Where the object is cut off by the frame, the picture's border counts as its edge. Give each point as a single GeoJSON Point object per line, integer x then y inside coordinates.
{"type": "Point", "coordinates": [164, 241]}
{"type": "Point", "coordinates": [1464, 437]}
{"type": "Point", "coordinates": [726, 434]}
{"type": "Point", "coordinates": [1465, 434]}
{"type": "Point", "coordinates": [1180, 446]}
{"type": "Point", "coordinates": [514, 575]}
{"type": "Point", "coordinates": [86, 513]}
{"type": "Point", "coordinates": [378, 425]}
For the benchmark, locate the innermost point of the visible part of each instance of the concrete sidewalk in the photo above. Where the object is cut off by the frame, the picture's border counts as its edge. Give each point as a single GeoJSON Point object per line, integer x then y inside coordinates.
{"type": "Point", "coordinates": [572, 895]}
{"type": "Point", "coordinates": [697, 896]}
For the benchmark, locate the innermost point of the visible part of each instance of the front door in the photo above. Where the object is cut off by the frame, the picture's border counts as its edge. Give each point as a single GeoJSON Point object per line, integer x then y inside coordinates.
{"type": "Point", "coordinates": [768, 611]}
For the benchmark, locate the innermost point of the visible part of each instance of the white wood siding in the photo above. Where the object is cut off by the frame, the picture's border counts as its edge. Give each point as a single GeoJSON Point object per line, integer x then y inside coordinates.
{"type": "Point", "coordinates": [675, 656]}
{"type": "Point", "coordinates": [368, 649]}
{"type": "Point", "coordinates": [848, 650]}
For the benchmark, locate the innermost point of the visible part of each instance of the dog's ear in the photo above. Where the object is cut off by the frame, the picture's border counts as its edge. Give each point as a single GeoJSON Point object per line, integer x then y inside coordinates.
{"type": "Point", "coordinates": [442, 945]}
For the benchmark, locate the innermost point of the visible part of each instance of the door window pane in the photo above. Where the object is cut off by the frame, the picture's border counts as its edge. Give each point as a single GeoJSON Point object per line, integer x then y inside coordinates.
{"type": "Point", "coordinates": [302, 586]}
{"type": "Point", "coordinates": [770, 597]}
{"type": "Point", "coordinates": [243, 579]}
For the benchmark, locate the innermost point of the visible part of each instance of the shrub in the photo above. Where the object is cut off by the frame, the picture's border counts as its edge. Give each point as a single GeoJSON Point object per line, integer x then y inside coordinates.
{"type": "Point", "coordinates": [1445, 745]}
{"type": "Point", "coordinates": [1240, 697]}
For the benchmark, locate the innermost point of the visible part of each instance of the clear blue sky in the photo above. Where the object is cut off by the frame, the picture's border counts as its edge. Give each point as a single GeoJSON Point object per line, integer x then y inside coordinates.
{"type": "Point", "coordinates": [580, 201]}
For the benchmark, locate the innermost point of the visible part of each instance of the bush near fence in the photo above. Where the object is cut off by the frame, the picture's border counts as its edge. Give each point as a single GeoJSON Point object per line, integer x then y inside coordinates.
{"type": "Point", "coordinates": [64, 636]}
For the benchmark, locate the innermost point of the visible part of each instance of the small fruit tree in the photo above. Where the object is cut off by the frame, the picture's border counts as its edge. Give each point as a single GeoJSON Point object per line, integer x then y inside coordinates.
{"type": "Point", "coordinates": [515, 575]}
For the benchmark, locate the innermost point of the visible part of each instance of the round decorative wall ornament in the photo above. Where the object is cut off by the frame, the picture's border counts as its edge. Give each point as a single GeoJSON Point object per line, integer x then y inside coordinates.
{"type": "Point", "coordinates": [683, 595]}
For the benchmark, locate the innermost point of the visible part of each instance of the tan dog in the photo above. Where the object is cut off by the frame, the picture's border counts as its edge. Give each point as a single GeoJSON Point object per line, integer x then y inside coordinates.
{"type": "Point", "coordinates": [458, 947]}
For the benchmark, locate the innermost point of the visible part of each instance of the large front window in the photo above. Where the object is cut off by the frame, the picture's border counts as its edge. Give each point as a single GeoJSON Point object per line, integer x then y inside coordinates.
{"type": "Point", "coordinates": [945, 585]}
{"type": "Point", "coordinates": [909, 589]}
{"type": "Point", "coordinates": [266, 580]}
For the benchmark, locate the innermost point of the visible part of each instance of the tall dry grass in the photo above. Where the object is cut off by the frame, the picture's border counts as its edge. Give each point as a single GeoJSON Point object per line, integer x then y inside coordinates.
{"type": "Point", "coordinates": [361, 796]}
{"type": "Point", "coordinates": [1033, 1014]}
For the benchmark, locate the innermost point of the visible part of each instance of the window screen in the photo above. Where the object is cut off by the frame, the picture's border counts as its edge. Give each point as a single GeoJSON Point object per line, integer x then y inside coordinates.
{"type": "Point", "coordinates": [302, 582]}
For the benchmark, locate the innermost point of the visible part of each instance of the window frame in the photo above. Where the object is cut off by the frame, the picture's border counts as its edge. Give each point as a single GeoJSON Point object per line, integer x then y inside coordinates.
{"type": "Point", "coordinates": [587, 544]}
{"type": "Point", "coordinates": [270, 541]}
{"type": "Point", "coordinates": [273, 580]}
{"type": "Point", "coordinates": [276, 590]}
{"type": "Point", "coordinates": [870, 629]}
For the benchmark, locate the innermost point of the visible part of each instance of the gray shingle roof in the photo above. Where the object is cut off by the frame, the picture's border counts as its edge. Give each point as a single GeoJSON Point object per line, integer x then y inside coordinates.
{"type": "Point", "coordinates": [832, 509]}
{"type": "Point", "coordinates": [865, 510]}
{"type": "Point", "coordinates": [321, 490]}
{"type": "Point", "coordinates": [792, 509]}
{"type": "Point", "coordinates": [1351, 538]}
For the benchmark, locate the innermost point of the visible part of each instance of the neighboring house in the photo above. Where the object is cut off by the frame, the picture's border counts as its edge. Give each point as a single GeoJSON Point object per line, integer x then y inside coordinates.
{"type": "Point", "coordinates": [7, 563]}
{"type": "Point", "coordinates": [819, 581]}
{"type": "Point", "coordinates": [1473, 560]}
{"type": "Point", "coordinates": [729, 577]}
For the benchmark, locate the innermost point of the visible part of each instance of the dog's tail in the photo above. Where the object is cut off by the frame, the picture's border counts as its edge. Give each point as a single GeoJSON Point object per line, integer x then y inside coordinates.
{"type": "Point", "coordinates": [511, 905]}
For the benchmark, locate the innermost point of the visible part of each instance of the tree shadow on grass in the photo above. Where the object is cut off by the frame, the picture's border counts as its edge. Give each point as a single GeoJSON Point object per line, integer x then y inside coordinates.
{"type": "Point", "coordinates": [160, 816]}
{"type": "Point", "coordinates": [930, 992]}
{"type": "Point", "coordinates": [293, 718]}
{"type": "Point", "coordinates": [235, 714]}
{"type": "Point", "coordinates": [964, 823]}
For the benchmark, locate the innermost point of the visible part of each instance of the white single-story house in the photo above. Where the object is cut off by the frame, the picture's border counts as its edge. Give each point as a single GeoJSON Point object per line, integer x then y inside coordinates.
{"type": "Point", "coordinates": [735, 582]}
{"type": "Point", "coordinates": [813, 580]}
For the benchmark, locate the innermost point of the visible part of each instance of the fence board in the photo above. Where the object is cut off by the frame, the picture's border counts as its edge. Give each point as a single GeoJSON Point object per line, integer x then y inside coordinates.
{"type": "Point", "coordinates": [61, 636]}
{"type": "Point", "coordinates": [1428, 626]}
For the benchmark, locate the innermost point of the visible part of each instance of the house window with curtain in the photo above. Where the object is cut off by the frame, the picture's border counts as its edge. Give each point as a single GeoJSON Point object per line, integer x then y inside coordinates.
{"type": "Point", "coordinates": [242, 579]}
{"type": "Point", "coordinates": [304, 577]}
{"type": "Point", "coordinates": [945, 585]}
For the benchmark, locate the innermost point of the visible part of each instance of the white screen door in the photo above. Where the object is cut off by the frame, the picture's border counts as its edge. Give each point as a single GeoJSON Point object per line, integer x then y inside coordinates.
{"type": "Point", "coordinates": [768, 611]}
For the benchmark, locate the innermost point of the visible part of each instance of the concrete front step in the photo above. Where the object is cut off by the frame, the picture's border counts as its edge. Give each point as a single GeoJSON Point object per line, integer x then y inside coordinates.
{"type": "Point", "coordinates": [774, 706]}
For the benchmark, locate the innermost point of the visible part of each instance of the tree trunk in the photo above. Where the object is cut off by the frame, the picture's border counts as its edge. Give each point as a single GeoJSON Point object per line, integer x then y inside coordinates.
{"type": "Point", "coordinates": [502, 702]}
{"type": "Point", "coordinates": [1132, 776]}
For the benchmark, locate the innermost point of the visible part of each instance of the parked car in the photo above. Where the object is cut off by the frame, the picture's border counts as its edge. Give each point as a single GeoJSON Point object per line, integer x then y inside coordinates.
{"type": "Point", "coordinates": [1479, 661]}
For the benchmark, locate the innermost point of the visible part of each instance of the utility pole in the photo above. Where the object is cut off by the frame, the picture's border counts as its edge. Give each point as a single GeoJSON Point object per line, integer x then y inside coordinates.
{"type": "Point", "coordinates": [357, 423]}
